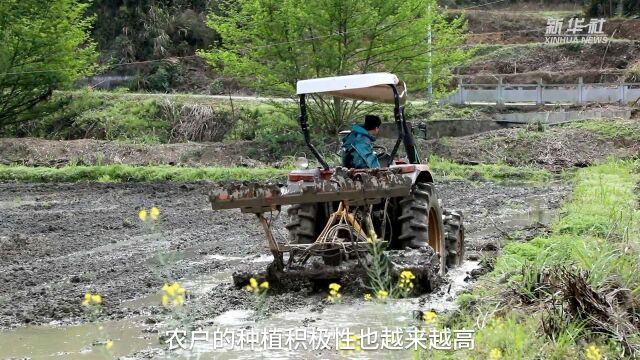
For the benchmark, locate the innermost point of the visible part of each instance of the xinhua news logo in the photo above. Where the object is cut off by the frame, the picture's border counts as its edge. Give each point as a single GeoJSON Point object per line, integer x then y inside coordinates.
{"type": "Point", "coordinates": [556, 33]}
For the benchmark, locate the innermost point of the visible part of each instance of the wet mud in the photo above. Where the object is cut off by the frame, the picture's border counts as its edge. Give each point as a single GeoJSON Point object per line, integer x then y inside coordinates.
{"type": "Point", "coordinates": [59, 241]}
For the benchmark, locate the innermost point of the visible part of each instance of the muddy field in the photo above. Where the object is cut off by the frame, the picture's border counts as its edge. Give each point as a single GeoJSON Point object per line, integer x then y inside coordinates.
{"type": "Point", "coordinates": [59, 241]}
{"type": "Point", "coordinates": [555, 149]}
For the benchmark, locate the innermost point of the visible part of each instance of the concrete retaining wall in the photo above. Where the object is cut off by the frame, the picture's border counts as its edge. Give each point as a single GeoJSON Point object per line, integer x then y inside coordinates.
{"type": "Point", "coordinates": [580, 93]}
{"type": "Point", "coordinates": [562, 117]}
{"type": "Point", "coordinates": [463, 127]}
{"type": "Point", "coordinates": [445, 128]}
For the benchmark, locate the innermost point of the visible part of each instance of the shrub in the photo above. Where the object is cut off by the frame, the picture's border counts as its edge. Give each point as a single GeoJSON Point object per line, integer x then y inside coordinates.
{"type": "Point", "coordinates": [196, 122]}
{"type": "Point", "coordinates": [264, 123]}
{"type": "Point", "coordinates": [46, 46]}
{"type": "Point", "coordinates": [162, 77]}
{"type": "Point", "coordinates": [99, 116]}
{"type": "Point", "coordinates": [128, 120]}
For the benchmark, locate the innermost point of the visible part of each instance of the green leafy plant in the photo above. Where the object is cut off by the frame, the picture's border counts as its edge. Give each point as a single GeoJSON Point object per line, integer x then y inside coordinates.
{"type": "Point", "coordinates": [270, 46]}
{"type": "Point", "coordinates": [45, 46]}
{"type": "Point", "coordinates": [555, 288]}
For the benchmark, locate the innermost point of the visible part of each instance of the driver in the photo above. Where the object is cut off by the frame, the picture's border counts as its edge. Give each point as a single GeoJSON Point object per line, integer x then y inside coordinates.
{"type": "Point", "coordinates": [357, 148]}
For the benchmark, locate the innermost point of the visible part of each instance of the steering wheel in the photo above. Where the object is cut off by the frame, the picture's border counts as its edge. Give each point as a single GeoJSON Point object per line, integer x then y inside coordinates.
{"type": "Point", "coordinates": [383, 156]}
{"type": "Point", "coordinates": [379, 150]}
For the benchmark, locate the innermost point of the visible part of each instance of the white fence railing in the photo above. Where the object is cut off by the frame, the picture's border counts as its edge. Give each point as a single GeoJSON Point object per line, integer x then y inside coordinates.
{"type": "Point", "coordinates": [580, 93]}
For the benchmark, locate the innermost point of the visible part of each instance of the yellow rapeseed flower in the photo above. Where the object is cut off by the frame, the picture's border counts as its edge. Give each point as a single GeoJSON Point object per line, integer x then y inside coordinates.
{"type": "Point", "coordinates": [430, 317]}
{"type": "Point", "coordinates": [496, 323]}
{"type": "Point", "coordinates": [142, 214]}
{"type": "Point", "coordinates": [367, 297]}
{"type": "Point", "coordinates": [349, 346]}
{"type": "Point", "coordinates": [593, 353]}
{"type": "Point", "coordinates": [155, 213]}
{"type": "Point", "coordinates": [406, 283]}
{"type": "Point", "coordinates": [495, 354]}
{"type": "Point", "coordinates": [169, 289]}
{"type": "Point", "coordinates": [334, 292]}
{"type": "Point", "coordinates": [382, 294]}
{"type": "Point", "coordinates": [109, 345]}
{"type": "Point", "coordinates": [173, 294]}
{"type": "Point", "coordinates": [407, 275]}
{"type": "Point", "coordinates": [255, 288]}
{"type": "Point", "coordinates": [92, 299]}
{"type": "Point", "coordinates": [178, 300]}
{"type": "Point", "coordinates": [356, 340]}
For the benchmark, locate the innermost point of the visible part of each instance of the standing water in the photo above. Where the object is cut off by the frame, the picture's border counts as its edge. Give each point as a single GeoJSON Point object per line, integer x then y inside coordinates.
{"type": "Point", "coordinates": [77, 341]}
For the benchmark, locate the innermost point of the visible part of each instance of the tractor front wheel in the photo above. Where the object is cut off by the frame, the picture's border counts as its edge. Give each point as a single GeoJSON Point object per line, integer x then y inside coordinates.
{"type": "Point", "coordinates": [454, 237]}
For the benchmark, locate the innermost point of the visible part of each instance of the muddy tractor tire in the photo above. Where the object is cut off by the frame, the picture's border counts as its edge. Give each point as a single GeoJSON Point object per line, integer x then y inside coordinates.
{"type": "Point", "coordinates": [302, 230]}
{"type": "Point", "coordinates": [454, 237]}
{"type": "Point", "coordinates": [302, 223]}
{"type": "Point", "coordinates": [421, 221]}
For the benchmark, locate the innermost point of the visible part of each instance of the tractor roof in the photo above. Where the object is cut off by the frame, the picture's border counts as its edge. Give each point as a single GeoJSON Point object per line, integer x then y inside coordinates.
{"type": "Point", "coordinates": [368, 87]}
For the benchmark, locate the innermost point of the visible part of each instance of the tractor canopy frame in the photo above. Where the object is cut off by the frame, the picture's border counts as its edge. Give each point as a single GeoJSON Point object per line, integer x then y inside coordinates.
{"type": "Point", "coordinates": [376, 87]}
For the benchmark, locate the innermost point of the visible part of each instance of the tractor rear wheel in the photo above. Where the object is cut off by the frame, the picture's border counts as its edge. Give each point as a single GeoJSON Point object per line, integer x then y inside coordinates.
{"type": "Point", "coordinates": [421, 221]}
{"type": "Point", "coordinates": [302, 230]}
{"type": "Point", "coordinates": [302, 223]}
{"type": "Point", "coordinates": [454, 237]}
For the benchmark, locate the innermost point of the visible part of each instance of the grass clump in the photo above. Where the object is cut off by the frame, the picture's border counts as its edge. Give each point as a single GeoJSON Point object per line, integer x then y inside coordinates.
{"type": "Point", "coordinates": [420, 111]}
{"type": "Point", "coordinates": [129, 173]}
{"type": "Point", "coordinates": [493, 172]}
{"type": "Point", "coordinates": [573, 293]}
{"type": "Point", "coordinates": [603, 202]}
{"type": "Point", "coordinates": [614, 129]}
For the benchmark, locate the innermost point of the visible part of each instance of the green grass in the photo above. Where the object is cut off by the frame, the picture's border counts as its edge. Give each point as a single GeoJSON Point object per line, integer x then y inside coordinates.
{"type": "Point", "coordinates": [614, 129]}
{"type": "Point", "coordinates": [178, 97]}
{"type": "Point", "coordinates": [128, 173]}
{"type": "Point", "coordinates": [492, 172]}
{"type": "Point", "coordinates": [512, 52]}
{"type": "Point", "coordinates": [131, 173]}
{"type": "Point", "coordinates": [598, 235]}
{"type": "Point", "coordinates": [419, 111]}
{"type": "Point", "coordinates": [603, 203]}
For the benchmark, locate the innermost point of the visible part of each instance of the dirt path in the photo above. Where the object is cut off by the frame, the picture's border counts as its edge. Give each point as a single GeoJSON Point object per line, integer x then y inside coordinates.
{"type": "Point", "coordinates": [59, 241]}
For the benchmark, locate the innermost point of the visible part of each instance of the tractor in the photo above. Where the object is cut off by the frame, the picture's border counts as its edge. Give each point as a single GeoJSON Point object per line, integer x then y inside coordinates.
{"type": "Point", "coordinates": [336, 214]}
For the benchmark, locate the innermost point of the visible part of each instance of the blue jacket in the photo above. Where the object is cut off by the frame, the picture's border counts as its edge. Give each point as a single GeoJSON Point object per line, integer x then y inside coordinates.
{"type": "Point", "coordinates": [357, 149]}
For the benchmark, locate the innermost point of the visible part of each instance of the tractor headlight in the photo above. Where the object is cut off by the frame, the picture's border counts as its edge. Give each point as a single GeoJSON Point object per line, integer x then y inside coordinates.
{"type": "Point", "coordinates": [302, 163]}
